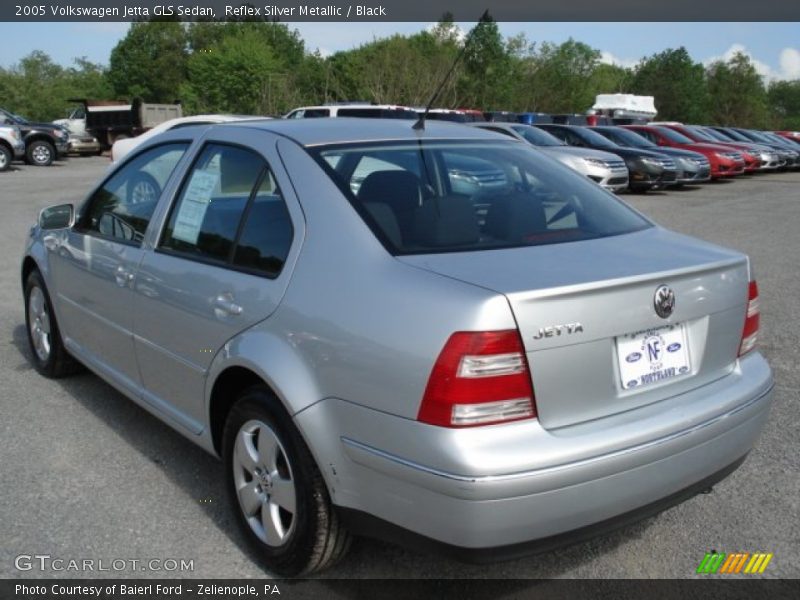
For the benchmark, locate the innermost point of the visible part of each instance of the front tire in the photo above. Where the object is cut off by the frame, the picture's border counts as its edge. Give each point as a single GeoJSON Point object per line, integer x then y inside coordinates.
{"type": "Point", "coordinates": [41, 153]}
{"type": "Point", "coordinates": [5, 158]}
{"type": "Point", "coordinates": [276, 490]}
{"type": "Point", "coordinates": [49, 356]}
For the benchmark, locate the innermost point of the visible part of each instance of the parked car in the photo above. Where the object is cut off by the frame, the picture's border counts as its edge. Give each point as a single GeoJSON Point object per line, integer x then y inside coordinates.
{"type": "Point", "coordinates": [736, 134]}
{"type": "Point", "coordinates": [724, 161]}
{"type": "Point", "coordinates": [770, 158]}
{"type": "Point", "coordinates": [692, 167]}
{"type": "Point", "coordinates": [606, 169]}
{"type": "Point", "coordinates": [355, 109]}
{"type": "Point", "coordinates": [750, 152]}
{"type": "Point", "coordinates": [44, 142]}
{"type": "Point", "coordinates": [789, 155]}
{"type": "Point", "coordinates": [11, 146]}
{"type": "Point", "coordinates": [125, 146]}
{"type": "Point", "coordinates": [80, 141]}
{"type": "Point", "coordinates": [793, 136]}
{"type": "Point", "coordinates": [785, 143]}
{"type": "Point", "coordinates": [401, 362]}
{"type": "Point", "coordinates": [453, 115]}
{"type": "Point", "coordinates": [647, 170]}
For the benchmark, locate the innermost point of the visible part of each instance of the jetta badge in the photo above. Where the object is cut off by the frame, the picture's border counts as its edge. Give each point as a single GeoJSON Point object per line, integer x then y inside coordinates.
{"type": "Point", "coordinates": [664, 301]}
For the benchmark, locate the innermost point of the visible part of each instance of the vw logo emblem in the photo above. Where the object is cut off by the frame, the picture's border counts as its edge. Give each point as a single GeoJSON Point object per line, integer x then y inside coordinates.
{"type": "Point", "coordinates": [664, 301]}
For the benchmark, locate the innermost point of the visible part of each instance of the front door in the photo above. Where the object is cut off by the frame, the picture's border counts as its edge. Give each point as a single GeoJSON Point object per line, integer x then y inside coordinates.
{"type": "Point", "coordinates": [94, 264]}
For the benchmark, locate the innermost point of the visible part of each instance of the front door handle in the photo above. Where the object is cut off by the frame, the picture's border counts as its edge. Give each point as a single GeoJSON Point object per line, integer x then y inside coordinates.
{"type": "Point", "coordinates": [123, 276]}
{"type": "Point", "coordinates": [225, 306]}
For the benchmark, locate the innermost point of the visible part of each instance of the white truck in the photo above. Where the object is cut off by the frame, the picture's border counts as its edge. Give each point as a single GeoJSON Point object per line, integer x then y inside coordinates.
{"type": "Point", "coordinates": [95, 125]}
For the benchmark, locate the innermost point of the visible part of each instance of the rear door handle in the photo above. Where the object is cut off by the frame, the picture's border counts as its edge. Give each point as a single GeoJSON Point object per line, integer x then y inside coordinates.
{"type": "Point", "coordinates": [224, 306]}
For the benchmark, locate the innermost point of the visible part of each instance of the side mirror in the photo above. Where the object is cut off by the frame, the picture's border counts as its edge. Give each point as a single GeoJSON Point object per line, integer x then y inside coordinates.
{"type": "Point", "coordinates": [57, 217]}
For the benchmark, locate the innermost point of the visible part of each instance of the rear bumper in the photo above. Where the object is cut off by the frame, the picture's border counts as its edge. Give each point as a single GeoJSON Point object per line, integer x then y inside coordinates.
{"type": "Point", "coordinates": [517, 483]}
{"type": "Point", "coordinates": [364, 524]}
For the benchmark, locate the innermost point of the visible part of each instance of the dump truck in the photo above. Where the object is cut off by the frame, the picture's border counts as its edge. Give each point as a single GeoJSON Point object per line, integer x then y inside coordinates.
{"type": "Point", "coordinates": [109, 121]}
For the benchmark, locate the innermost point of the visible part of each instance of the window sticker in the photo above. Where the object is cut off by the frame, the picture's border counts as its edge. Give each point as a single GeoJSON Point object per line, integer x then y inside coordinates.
{"type": "Point", "coordinates": [194, 205]}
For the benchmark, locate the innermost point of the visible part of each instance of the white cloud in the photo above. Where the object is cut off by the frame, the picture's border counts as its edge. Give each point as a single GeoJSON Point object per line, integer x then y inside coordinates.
{"type": "Point", "coordinates": [609, 59]}
{"type": "Point", "coordinates": [789, 62]}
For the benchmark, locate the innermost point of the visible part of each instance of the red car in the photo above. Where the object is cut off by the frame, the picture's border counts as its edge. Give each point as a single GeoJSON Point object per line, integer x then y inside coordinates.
{"type": "Point", "coordinates": [725, 162]}
{"type": "Point", "coordinates": [790, 135]}
{"type": "Point", "coordinates": [752, 161]}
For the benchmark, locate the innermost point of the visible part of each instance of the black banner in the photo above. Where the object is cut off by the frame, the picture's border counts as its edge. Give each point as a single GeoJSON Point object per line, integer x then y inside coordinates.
{"type": "Point", "coordinates": [376, 589]}
{"type": "Point", "coordinates": [404, 10]}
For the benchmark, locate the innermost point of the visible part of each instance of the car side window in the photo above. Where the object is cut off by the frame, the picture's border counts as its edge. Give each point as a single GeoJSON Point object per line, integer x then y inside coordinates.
{"type": "Point", "coordinates": [205, 219]}
{"type": "Point", "coordinates": [122, 207]}
{"type": "Point", "coordinates": [267, 232]}
{"type": "Point", "coordinates": [231, 211]}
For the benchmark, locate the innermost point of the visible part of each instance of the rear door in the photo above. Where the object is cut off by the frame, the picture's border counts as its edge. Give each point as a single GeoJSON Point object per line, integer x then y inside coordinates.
{"type": "Point", "coordinates": [221, 264]}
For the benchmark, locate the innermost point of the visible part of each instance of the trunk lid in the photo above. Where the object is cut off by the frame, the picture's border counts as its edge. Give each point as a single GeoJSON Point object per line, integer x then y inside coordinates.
{"type": "Point", "coordinates": [576, 302]}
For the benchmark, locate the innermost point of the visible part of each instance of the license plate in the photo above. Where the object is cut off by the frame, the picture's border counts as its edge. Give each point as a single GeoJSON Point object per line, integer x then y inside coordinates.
{"type": "Point", "coordinates": [647, 357]}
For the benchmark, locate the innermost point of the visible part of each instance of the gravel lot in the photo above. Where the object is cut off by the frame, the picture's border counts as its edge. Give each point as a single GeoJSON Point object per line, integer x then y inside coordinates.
{"type": "Point", "coordinates": [87, 474]}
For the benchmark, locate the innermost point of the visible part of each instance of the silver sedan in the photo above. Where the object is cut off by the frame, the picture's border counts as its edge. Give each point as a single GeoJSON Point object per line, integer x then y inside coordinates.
{"type": "Point", "coordinates": [437, 335]}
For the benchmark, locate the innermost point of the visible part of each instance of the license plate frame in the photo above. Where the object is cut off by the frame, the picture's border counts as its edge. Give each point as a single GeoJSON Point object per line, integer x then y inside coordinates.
{"type": "Point", "coordinates": [652, 356]}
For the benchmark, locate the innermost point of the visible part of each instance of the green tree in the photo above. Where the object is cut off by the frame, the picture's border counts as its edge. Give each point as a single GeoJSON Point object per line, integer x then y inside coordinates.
{"type": "Point", "coordinates": [678, 84]}
{"type": "Point", "coordinates": [150, 62]}
{"type": "Point", "coordinates": [242, 74]}
{"type": "Point", "coordinates": [486, 78]}
{"type": "Point", "coordinates": [738, 92]}
{"type": "Point", "coordinates": [560, 77]}
{"type": "Point", "coordinates": [784, 102]}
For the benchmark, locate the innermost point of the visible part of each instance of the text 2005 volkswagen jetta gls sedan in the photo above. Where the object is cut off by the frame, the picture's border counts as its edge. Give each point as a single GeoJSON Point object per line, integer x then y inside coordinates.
{"type": "Point", "coordinates": [439, 335]}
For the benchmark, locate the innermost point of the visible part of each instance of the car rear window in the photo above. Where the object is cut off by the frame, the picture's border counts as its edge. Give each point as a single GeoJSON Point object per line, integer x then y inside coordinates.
{"type": "Point", "coordinates": [435, 196]}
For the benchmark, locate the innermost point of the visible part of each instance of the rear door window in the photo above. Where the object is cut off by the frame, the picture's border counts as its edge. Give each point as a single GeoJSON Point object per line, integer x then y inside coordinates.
{"type": "Point", "coordinates": [231, 211]}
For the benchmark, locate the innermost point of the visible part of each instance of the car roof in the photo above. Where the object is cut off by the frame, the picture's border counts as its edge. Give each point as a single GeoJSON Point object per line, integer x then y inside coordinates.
{"type": "Point", "coordinates": [324, 131]}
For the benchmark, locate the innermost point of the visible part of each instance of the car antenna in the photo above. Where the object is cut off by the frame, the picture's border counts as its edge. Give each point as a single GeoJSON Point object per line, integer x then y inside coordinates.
{"type": "Point", "coordinates": [420, 123]}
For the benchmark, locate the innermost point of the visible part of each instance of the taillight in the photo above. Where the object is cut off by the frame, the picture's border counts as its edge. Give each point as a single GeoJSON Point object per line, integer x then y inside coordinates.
{"type": "Point", "coordinates": [751, 321]}
{"type": "Point", "coordinates": [480, 377]}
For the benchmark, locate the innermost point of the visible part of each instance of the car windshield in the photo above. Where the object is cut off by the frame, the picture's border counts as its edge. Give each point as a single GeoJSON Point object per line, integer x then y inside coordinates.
{"type": "Point", "coordinates": [700, 132]}
{"type": "Point", "coordinates": [737, 136]}
{"type": "Point", "coordinates": [12, 117]}
{"type": "Point", "coordinates": [423, 197]}
{"type": "Point", "coordinates": [719, 136]}
{"type": "Point", "coordinates": [537, 137]}
{"type": "Point", "coordinates": [625, 137]}
{"type": "Point", "coordinates": [594, 139]}
{"type": "Point", "coordinates": [674, 136]}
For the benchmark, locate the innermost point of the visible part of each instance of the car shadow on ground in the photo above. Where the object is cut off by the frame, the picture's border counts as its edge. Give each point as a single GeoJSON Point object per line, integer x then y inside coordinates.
{"type": "Point", "coordinates": [201, 476]}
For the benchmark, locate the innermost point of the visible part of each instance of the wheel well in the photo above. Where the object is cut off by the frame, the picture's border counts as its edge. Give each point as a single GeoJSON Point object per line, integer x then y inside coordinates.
{"type": "Point", "coordinates": [227, 388]}
{"type": "Point", "coordinates": [7, 147]}
{"type": "Point", "coordinates": [39, 137]}
{"type": "Point", "coordinates": [28, 266]}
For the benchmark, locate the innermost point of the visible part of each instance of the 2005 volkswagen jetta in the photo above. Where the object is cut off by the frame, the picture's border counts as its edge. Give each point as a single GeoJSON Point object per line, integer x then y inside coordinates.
{"type": "Point", "coordinates": [436, 335]}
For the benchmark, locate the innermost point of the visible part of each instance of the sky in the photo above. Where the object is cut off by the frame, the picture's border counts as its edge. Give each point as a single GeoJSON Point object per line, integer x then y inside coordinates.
{"type": "Point", "coordinates": [774, 47]}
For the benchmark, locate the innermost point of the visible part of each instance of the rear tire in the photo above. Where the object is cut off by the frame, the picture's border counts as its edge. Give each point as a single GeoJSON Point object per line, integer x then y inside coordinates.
{"type": "Point", "coordinates": [49, 356]}
{"type": "Point", "coordinates": [275, 489]}
{"type": "Point", "coordinates": [40, 153]}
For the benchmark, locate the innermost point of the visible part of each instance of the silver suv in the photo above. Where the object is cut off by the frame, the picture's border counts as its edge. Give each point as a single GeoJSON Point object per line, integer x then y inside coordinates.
{"type": "Point", "coordinates": [12, 147]}
{"type": "Point", "coordinates": [486, 371]}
